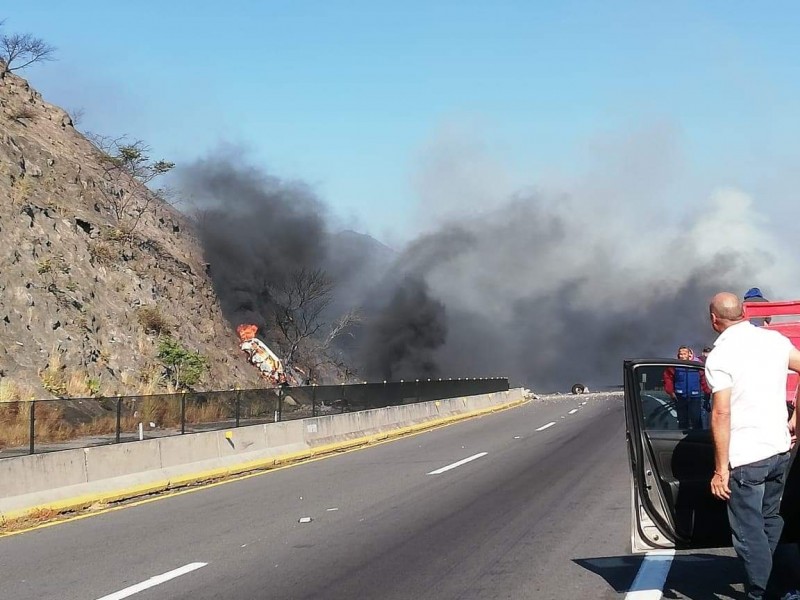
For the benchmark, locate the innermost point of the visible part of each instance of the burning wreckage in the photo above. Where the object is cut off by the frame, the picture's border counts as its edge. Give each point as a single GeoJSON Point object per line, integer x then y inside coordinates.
{"type": "Point", "coordinates": [260, 356]}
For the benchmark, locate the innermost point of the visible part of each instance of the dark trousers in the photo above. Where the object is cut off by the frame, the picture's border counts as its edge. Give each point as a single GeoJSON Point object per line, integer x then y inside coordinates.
{"type": "Point", "coordinates": [756, 525]}
{"type": "Point", "coordinates": [689, 411]}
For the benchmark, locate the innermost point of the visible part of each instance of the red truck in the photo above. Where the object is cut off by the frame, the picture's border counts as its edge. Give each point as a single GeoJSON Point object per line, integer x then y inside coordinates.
{"type": "Point", "coordinates": [783, 317]}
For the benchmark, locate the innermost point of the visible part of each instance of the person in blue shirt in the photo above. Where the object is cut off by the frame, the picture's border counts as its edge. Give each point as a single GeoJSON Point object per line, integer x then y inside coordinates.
{"type": "Point", "coordinates": [687, 387]}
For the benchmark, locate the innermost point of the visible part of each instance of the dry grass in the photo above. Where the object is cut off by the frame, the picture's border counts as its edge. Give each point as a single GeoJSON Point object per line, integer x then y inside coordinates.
{"type": "Point", "coordinates": [80, 385]}
{"type": "Point", "coordinates": [53, 376]}
{"type": "Point", "coordinates": [9, 390]}
{"type": "Point", "coordinates": [209, 412]}
{"type": "Point", "coordinates": [67, 383]}
{"type": "Point", "coordinates": [20, 190]}
{"type": "Point", "coordinates": [104, 253]}
{"type": "Point", "coordinates": [150, 379]}
{"type": "Point", "coordinates": [50, 425]}
{"type": "Point", "coordinates": [160, 411]}
{"type": "Point", "coordinates": [15, 423]}
{"type": "Point", "coordinates": [145, 344]}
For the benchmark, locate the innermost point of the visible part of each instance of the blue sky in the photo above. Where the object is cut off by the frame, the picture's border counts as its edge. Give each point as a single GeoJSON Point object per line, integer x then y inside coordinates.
{"type": "Point", "coordinates": [347, 96]}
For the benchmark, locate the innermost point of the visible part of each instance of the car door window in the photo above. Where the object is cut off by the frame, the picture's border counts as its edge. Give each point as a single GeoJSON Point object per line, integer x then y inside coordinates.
{"type": "Point", "coordinates": [688, 406]}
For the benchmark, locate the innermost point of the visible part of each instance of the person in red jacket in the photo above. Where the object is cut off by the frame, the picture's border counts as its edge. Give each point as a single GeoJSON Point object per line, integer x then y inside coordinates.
{"type": "Point", "coordinates": [687, 388]}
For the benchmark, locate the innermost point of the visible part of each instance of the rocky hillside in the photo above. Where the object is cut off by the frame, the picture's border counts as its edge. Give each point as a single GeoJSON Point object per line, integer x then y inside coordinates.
{"type": "Point", "coordinates": [94, 269]}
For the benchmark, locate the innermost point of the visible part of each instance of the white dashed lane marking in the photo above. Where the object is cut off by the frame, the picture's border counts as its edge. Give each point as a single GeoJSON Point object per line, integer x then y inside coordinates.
{"type": "Point", "coordinates": [573, 411]}
{"type": "Point", "coordinates": [543, 427]}
{"type": "Point", "coordinates": [458, 464]}
{"type": "Point", "coordinates": [154, 581]}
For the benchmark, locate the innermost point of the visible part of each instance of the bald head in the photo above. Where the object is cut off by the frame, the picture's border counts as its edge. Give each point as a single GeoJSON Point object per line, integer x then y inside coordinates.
{"type": "Point", "coordinates": [727, 307]}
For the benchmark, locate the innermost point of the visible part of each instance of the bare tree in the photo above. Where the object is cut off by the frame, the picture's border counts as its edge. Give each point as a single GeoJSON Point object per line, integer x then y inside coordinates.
{"type": "Point", "coordinates": [76, 114]}
{"type": "Point", "coordinates": [127, 169]}
{"type": "Point", "coordinates": [342, 326]}
{"type": "Point", "coordinates": [300, 300]}
{"type": "Point", "coordinates": [20, 50]}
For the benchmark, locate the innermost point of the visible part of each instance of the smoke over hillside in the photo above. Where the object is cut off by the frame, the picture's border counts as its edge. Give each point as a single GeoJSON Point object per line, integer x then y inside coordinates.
{"type": "Point", "coordinates": [546, 287]}
{"type": "Point", "coordinates": [255, 229]}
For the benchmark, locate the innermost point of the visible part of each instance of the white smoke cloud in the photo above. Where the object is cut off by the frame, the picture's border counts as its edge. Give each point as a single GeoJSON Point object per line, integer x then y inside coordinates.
{"type": "Point", "coordinates": [611, 257]}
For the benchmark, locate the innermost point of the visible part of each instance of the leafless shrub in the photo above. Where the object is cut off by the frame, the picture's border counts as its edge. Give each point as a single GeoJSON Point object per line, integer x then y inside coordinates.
{"type": "Point", "coordinates": [104, 253]}
{"type": "Point", "coordinates": [153, 320]}
{"type": "Point", "coordinates": [76, 114]}
{"type": "Point", "coordinates": [21, 114]}
{"type": "Point", "coordinates": [127, 169]}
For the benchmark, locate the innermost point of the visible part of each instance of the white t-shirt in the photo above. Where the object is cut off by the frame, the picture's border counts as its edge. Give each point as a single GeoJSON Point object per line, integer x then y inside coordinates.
{"type": "Point", "coordinates": [753, 362]}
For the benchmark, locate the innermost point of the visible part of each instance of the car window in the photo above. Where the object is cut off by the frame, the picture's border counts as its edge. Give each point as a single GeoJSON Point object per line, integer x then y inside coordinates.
{"type": "Point", "coordinates": [686, 407]}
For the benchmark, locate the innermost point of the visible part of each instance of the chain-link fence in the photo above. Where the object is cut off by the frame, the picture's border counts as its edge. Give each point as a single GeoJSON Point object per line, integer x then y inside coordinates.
{"type": "Point", "coordinates": [30, 427]}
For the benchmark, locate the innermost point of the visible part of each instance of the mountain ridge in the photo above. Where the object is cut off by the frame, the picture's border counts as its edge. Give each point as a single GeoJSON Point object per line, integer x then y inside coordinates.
{"type": "Point", "coordinates": [94, 268]}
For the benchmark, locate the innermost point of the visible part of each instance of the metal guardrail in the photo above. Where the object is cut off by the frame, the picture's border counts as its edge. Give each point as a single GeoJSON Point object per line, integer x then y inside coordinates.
{"type": "Point", "coordinates": [36, 426]}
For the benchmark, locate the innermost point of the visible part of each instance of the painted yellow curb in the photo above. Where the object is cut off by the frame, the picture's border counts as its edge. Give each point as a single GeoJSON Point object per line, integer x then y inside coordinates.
{"type": "Point", "coordinates": [82, 502]}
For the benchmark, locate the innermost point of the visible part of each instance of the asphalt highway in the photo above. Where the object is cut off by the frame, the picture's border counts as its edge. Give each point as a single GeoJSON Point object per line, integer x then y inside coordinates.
{"type": "Point", "coordinates": [531, 502]}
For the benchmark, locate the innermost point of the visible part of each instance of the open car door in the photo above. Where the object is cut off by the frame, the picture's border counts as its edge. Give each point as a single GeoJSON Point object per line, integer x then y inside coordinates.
{"type": "Point", "coordinates": [672, 463]}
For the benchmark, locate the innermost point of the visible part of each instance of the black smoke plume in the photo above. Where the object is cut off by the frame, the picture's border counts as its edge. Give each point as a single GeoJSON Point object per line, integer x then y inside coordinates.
{"type": "Point", "coordinates": [404, 333]}
{"type": "Point", "coordinates": [547, 288]}
{"type": "Point", "coordinates": [255, 231]}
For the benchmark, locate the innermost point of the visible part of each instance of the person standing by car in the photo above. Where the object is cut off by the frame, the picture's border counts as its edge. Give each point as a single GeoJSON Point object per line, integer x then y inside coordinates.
{"type": "Point", "coordinates": [747, 372]}
{"type": "Point", "coordinates": [686, 387]}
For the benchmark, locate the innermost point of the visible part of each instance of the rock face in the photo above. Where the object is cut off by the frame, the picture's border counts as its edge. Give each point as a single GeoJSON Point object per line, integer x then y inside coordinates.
{"type": "Point", "coordinates": [87, 288]}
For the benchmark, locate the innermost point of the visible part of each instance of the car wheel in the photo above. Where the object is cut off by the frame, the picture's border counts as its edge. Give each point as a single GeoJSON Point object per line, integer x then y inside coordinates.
{"type": "Point", "coordinates": [578, 388]}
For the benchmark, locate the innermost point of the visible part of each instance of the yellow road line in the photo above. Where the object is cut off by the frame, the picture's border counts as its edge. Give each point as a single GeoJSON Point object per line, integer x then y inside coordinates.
{"type": "Point", "coordinates": [179, 485]}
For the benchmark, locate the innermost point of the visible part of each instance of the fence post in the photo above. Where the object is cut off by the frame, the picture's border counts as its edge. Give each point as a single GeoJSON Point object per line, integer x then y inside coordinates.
{"type": "Point", "coordinates": [119, 419]}
{"type": "Point", "coordinates": [183, 412]}
{"type": "Point", "coordinates": [280, 403]}
{"type": "Point", "coordinates": [238, 404]}
{"type": "Point", "coordinates": [314, 400]}
{"type": "Point", "coordinates": [32, 432]}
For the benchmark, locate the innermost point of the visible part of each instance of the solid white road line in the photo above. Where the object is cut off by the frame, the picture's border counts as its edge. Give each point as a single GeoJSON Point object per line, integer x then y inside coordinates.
{"type": "Point", "coordinates": [153, 581]}
{"type": "Point", "coordinates": [458, 464]}
{"type": "Point", "coordinates": [651, 577]}
{"type": "Point", "coordinates": [543, 427]}
{"type": "Point", "coordinates": [573, 411]}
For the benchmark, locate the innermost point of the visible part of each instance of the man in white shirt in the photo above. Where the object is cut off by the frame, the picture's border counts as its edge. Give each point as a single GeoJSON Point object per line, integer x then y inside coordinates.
{"type": "Point", "coordinates": [747, 372]}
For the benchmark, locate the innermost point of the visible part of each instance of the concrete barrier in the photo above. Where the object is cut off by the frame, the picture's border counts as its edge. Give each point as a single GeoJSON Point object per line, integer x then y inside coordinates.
{"type": "Point", "coordinates": [37, 472]}
{"type": "Point", "coordinates": [104, 462]}
{"type": "Point", "coordinates": [73, 479]}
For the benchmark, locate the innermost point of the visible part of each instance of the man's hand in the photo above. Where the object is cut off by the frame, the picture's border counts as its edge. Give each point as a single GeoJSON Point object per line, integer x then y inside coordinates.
{"type": "Point", "coordinates": [793, 426]}
{"type": "Point", "coordinates": [719, 484]}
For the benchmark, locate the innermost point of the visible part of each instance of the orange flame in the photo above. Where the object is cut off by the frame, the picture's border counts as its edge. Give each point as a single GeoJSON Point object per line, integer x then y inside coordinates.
{"type": "Point", "coordinates": [246, 332]}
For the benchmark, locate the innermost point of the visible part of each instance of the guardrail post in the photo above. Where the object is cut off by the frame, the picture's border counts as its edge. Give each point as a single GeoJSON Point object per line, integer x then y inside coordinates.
{"type": "Point", "coordinates": [183, 413]}
{"type": "Point", "coordinates": [119, 420]}
{"type": "Point", "coordinates": [344, 396]}
{"type": "Point", "coordinates": [32, 432]}
{"type": "Point", "coordinates": [314, 400]}
{"type": "Point", "coordinates": [280, 403]}
{"type": "Point", "coordinates": [416, 390]}
{"type": "Point", "coordinates": [238, 405]}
